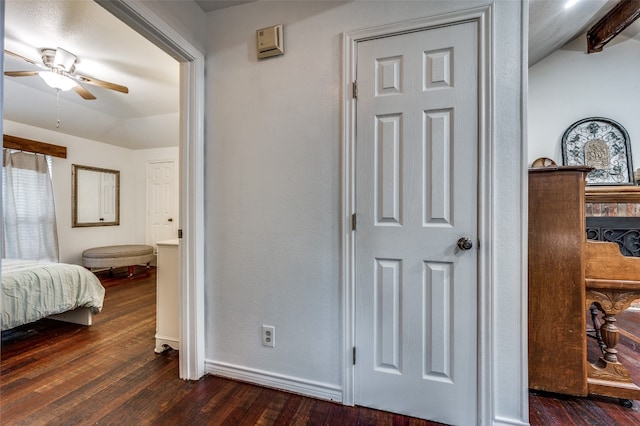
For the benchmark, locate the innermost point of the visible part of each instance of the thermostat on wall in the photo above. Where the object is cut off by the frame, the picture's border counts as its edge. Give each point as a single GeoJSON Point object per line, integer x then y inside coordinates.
{"type": "Point", "coordinates": [270, 41]}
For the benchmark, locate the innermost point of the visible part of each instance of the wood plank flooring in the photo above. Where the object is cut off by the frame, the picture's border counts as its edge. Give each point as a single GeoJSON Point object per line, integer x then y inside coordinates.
{"type": "Point", "coordinates": [54, 373]}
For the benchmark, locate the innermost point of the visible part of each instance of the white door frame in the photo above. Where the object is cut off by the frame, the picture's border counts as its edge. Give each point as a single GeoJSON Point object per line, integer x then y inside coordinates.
{"type": "Point", "coordinates": [482, 16]}
{"type": "Point", "coordinates": [191, 169]}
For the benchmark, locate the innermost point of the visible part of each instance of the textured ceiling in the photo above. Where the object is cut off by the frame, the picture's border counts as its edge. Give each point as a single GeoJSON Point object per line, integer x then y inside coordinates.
{"type": "Point", "coordinates": [551, 26]}
{"type": "Point", "coordinates": [148, 116]}
{"type": "Point", "coordinates": [211, 5]}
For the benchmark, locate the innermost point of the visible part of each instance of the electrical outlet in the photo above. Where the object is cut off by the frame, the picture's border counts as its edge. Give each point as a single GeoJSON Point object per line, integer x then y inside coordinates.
{"type": "Point", "coordinates": [269, 336]}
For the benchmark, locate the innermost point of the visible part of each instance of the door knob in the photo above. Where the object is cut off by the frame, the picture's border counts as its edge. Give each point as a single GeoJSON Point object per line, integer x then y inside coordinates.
{"type": "Point", "coordinates": [465, 243]}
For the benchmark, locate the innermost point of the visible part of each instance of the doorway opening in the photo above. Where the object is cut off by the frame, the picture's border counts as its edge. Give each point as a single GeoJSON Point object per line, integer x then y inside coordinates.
{"type": "Point", "coordinates": [191, 168]}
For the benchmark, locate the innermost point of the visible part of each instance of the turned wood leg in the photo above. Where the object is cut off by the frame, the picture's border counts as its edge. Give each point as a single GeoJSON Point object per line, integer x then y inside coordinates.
{"type": "Point", "coordinates": [596, 326]}
{"type": "Point", "coordinates": [610, 336]}
{"type": "Point", "coordinates": [131, 269]}
{"type": "Point", "coordinates": [608, 367]}
{"type": "Point", "coordinates": [610, 303]}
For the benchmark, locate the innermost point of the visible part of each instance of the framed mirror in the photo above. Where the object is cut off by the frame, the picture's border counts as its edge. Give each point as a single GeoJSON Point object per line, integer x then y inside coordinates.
{"type": "Point", "coordinates": [95, 196]}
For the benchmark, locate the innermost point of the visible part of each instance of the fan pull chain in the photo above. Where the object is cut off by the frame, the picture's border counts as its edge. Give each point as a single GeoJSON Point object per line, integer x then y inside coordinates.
{"type": "Point", "coordinates": [58, 108]}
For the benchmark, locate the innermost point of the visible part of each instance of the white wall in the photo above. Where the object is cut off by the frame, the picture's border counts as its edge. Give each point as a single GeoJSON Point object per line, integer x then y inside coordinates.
{"type": "Point", "coordinates": [72, 241]}
{"type": "Point", "coordinates": [184, 16]}
{"type": "Point", "coordinates": [273, 194]}
{"type": "Point", "coordinates": [570, 85]}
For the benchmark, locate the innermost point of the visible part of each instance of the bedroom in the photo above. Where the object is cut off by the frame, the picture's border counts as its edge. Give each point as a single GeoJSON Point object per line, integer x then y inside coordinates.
{"type": "Point", "coordinates": [115, 131]}
{"type": "Point", "coordinates": [133, 134]}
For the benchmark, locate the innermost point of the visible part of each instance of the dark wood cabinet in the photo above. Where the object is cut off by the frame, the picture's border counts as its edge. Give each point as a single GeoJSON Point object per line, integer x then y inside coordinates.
{"type": "Point", "coordinates": [567, 274]}
{"type": "Point", "coordinates": [557, 315]}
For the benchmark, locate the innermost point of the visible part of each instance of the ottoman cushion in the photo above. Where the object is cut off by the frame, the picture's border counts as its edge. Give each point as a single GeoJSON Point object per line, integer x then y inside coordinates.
{"type": "Point", "coordinates": [116, 256]}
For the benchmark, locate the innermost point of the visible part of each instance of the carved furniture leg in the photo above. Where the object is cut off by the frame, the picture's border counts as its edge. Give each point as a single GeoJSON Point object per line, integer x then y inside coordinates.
{"type": "Point", "coordinates": [596, 327]}
{"type": "Point", "coordinates": [608, 376]}
{"type": "Point", "coordinates": [608, 365]}
{"type": "Point", "coordinates": [611, 282]}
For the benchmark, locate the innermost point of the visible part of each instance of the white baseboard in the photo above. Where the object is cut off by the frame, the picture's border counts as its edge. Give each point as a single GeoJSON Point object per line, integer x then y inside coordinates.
{"type": "Point", "coordinates": [277, 381]}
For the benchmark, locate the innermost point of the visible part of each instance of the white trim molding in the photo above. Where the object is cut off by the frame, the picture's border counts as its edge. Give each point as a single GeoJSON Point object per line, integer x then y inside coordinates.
{"type": "Point", "coordinates": [483, 16]}
{"type": "Point", "coordinates": [275, 381]}
{"type": "Point", "coordinates": [191, 188]}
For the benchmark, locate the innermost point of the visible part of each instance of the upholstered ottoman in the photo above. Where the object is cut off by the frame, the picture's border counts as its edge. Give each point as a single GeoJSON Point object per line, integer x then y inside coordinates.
{"type": "Point", "coordinates": [116, 256]}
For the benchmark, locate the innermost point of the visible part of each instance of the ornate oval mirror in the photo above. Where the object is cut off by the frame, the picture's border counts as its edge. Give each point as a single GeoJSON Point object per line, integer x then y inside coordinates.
{"type": "Point", "coordinates": [95, 196]}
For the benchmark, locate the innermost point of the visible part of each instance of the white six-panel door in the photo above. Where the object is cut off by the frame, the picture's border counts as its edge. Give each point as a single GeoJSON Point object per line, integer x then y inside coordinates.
{"type": "Point", "coordinates": [162, 202]}
{"type": "Point", "coordinates": [416, 196]}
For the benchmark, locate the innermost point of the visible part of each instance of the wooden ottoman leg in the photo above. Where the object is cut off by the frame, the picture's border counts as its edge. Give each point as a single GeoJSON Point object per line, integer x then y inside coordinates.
{"type": "Point", "coordinates": [131, 269]}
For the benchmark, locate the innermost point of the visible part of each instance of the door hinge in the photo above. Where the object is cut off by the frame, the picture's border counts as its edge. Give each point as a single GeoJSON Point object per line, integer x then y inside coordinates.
{"type": "Point", "coordinates": [354, 90]}
{"type": "Point", "coordinates": [354, 355]}
{"type": "Point", "coordinates": [354, 222]}
{"type": "Point", "coordinates": [179, 233]}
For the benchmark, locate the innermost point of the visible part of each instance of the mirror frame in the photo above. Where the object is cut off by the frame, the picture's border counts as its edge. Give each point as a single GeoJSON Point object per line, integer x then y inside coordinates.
{"type": "Point", "coordinates": [75, 168]}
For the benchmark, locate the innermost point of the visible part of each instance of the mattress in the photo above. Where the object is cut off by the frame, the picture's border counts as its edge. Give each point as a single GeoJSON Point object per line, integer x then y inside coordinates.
{"type": "Point", "coordinates": [32, 290]}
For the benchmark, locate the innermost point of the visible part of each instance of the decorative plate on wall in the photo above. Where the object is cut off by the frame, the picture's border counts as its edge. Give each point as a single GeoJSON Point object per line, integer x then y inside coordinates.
{"type": "Point", "coordinates": [600, 143]}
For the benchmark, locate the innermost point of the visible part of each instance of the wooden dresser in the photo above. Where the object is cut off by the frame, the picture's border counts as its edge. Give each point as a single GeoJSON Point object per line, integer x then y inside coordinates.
{"type": "Point", "coordinates": [565, 277]}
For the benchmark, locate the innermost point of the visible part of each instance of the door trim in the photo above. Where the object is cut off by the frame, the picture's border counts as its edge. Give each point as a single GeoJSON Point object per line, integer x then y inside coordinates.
{"type": "Point", "coordinates": [191, 171]}
{"type": "Point", "coordinates": [483, 17]}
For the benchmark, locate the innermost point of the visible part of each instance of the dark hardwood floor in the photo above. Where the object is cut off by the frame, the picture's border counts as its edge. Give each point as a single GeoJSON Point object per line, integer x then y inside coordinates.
{"type": "Point", "coordinates": [54, 373]}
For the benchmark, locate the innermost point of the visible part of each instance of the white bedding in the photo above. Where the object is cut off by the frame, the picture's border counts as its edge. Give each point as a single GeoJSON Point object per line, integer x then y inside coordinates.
{"type": "Point", "coordinates": [32, 290]}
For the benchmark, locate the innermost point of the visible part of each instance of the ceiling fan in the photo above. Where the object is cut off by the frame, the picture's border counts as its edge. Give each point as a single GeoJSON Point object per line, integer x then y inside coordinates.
{"type": "Point", "coordinates": [58, 71]}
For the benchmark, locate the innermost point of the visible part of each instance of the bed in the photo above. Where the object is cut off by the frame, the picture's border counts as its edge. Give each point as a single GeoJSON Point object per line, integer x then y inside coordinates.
{"type": "Point", "coordinates": [32, 290]}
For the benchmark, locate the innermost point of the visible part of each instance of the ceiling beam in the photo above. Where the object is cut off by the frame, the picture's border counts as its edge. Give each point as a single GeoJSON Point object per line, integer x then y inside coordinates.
{"type": "Point", "coordinates": [612, 24]}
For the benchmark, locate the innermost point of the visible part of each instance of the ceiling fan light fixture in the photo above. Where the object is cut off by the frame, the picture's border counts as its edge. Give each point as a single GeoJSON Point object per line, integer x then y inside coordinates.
{"type": "Point", "coordinates": [59, 73]}
{"type": "Point", "coordinates": [57, 80]}
{"type": "Point", "coordinates": [64, 60]}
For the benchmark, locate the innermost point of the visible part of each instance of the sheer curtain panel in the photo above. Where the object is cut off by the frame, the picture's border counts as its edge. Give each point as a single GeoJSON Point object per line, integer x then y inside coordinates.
{"type": "Point", "coordinates": [29, 225]}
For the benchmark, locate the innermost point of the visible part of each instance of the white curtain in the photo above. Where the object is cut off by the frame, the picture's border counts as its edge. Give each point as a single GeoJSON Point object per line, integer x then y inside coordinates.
{"type": "Point", "coordinates": [29, 217]}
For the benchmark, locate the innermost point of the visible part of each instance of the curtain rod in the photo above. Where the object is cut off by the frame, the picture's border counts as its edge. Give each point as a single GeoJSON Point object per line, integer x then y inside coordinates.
{"type": "Point", "coordinates": [14, 142]}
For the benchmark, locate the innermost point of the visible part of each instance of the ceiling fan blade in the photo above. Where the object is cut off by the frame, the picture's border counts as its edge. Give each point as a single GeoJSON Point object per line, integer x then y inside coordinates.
{"type": "Point", "coordinates": [102, 83]}
{"type": "Point", "coordinates": [20, 73]}
{"type": "Point", "coordinates": [87, 95]}
{"type": "Point", "coordinates": [15, 55]}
